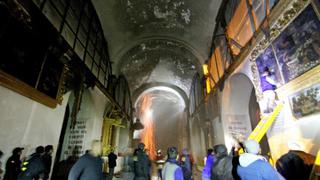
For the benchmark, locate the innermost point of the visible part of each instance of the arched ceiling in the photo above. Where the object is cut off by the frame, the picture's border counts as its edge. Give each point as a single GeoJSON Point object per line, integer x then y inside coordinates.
{"type": "Point", "coordinates": [158, 40]}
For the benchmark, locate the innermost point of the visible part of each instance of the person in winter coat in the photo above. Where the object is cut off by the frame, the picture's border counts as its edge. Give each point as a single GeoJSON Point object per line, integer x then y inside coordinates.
{"type": "Point", "coordinates": [186, 163]}
{"type": "Point", "coordinates": [295, 165]}
{"type": "Point", "coordinates": [253, 166]}
{"type": "Point", "coordinates": [206, 173]}
{"type": "Point", "coordinates": [142, 164]}
{"type": "Point", "coordinates": [47, 161]}
{"type": "Point", "coordinates": [171, 169]}
{"type": "Point", "coordinates": [33, 168]}
{"type": "Point", "coordinates": [112, 163]}
{"type": "Point", "coordinates": [13, 165]}
{"type": "Point", "coordinates": [222, 168]}
{"type": "Point", "coordinates": [89, 166]}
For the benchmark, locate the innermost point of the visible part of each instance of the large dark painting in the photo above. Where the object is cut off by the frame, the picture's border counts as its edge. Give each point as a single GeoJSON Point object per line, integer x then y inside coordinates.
{"type": "Point", "coordinates": [298, 46]}
{"type": "Point", "coordinates": [50, 77]}
{"type": "Point", "coordinates": [31, 53]}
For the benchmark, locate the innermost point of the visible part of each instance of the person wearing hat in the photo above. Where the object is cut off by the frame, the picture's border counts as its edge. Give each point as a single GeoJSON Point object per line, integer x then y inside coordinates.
{"type": "Point", "coordinates": [253, 166]}
{"type": "Point", "coordinates": [13, 165]}
{"type": "Point", "coordinates": [171, 169]}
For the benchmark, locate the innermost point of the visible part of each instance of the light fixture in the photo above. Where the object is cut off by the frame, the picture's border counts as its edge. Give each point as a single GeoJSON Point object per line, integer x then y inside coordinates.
{"type": "Point", "coordinates": [205, 69]}
{"type": "Point", "coordinates": [137, 125]}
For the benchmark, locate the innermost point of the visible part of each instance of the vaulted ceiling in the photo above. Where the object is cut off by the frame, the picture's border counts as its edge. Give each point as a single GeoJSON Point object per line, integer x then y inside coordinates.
{"type": "Point", "coordinates": [162, 41]}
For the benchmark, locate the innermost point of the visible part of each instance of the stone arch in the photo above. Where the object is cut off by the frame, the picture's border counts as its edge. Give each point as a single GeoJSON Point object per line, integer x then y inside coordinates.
{"type": "Point", "coordinates": [235, 115]}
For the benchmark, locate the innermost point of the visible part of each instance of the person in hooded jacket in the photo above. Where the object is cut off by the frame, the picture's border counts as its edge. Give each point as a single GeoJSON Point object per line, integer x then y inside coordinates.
{"type": "Point", "coordinates": [13, 165]}
{"type": "Point", "coordinates": [253, 166]}
{"type": "Point", "coordinates": [222, 168]}
{"type": "Point", "coordinates": [206, 173]}
{"type": "Point", "coordinates": [171, 169]}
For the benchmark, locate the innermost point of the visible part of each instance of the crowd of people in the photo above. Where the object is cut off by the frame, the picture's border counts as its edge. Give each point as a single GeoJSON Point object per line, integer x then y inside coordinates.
{"type": "Point", "coordinates": [251, 165]}
{"type": "Point", "coordinates": [36, 166]}
{"type": "Point", "coordinates": [219, 164]}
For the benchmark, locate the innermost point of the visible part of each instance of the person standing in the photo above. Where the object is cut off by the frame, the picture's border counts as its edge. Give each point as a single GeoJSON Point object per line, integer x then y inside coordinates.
{"type": "Point", "coordinates": [33, 168]}
{"type": "Point", "coordinates": [112, 163]}
{"type": "Point", "coordinates": [222, 167]}
{"type": "Point", "coordinates": [159, 162]}
{"type": "Point", "coordinates": [206, 173]}
{"type": "Point", "coordinates": [89, 166]}
{"type": "Point", "coordinates": [13, 165]}
{"type": "Point", "coordinates": [253, 166]}
{"type": "Point", "coordinates": [186, 164]}
{"type": "Point", "coordinates": [142, 164]}
{"type": "Point", "coordinates": [171, 169]}
{"type": "Point", "coordinates": [268, 85]}
{"type": "Point", "coordinates": [47, 161]}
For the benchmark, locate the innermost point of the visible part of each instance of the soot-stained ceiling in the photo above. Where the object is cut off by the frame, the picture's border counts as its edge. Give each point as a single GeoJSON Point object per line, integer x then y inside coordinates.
{"type": "Point", "coordinates": [158, 40]}
{"type": "Point", "coordinates": [159, 61]}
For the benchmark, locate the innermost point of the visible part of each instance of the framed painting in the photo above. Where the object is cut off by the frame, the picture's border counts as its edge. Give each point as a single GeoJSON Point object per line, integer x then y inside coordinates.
{"type": "Point", "coordinates": [306, 101]}
{"type": "Point", "coordinates": [298, 46]}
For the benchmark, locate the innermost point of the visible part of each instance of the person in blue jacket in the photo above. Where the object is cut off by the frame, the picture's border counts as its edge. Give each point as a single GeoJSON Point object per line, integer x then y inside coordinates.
{"type": "Point", "coordinates": [171, 169]}
{"type": "Point", "coordinates": [254, 166]}
{"type": "Point", "coordinates": [89, 166]}
{"type": "Point", "coordinates": [206, 173]}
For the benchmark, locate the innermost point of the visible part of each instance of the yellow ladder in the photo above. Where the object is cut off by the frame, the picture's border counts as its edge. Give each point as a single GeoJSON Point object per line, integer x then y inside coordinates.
{"type": "Point", "coordinates": [265, 123]}
{"type": "Point", "coordinates": [315, 172]}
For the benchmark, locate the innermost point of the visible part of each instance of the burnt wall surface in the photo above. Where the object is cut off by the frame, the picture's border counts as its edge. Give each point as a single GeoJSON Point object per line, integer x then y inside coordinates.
{"type": "Point", "coordinates": [159, 61]}
{"type": "Point", "coordinates": [127, 21]}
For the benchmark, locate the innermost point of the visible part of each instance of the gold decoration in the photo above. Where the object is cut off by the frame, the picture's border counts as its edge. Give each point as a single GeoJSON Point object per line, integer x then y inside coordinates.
{"type": "Point", "coordinates": [281, 23]}
{"type": "Point", "coordinates": [62, 84]}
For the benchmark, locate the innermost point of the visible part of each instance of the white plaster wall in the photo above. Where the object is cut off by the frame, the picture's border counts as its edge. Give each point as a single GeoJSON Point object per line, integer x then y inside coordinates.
{"type": "Point", "coordinates": [218, 137]}
{"type": "Point", "coordinates": [26, 123]}
{"type": "Point", "coordinates": [91, 112]}
{"type": "Point", "coordinates": [235, 106]}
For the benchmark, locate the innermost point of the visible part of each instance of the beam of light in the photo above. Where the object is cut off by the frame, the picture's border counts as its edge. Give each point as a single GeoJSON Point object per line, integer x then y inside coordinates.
{"type": "Point", "coordinates": [147, 136]}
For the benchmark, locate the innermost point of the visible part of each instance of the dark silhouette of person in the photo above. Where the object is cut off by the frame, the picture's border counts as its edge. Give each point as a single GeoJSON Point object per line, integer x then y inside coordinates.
{"type": "Point", "coordinates": [112, 163]}
{"type": "Point", "coordinates": [294, 165]}
{"type": "Point", "coordinates": [13, 165]}
{"type": "Point", "coordinates": [141, 164]}
{"type": "Point", "coordinates": [33, 168]}
{"type": "Point", "coordinates": [47, 160]}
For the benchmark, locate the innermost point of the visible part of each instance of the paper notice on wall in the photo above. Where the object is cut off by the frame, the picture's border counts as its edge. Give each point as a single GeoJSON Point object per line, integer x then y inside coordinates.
{"type": "Point", "coordinates": [238, 126]}
{"type": "Point", "coordinates": [76, 139]}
